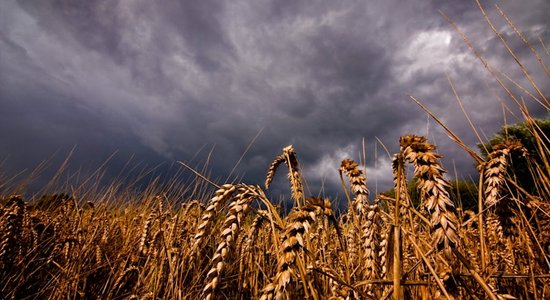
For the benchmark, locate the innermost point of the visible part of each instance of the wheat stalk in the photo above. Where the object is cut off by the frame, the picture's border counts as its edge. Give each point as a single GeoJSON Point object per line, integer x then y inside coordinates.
{"type": "Point", "coordinates": [356, 232]}
{"type": "Point", "coordinates": [368, 218]}
{"type": "Point", "coordinates": [404, 199]}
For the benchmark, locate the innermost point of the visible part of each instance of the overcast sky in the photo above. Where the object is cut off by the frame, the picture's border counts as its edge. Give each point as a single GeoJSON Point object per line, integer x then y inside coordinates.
{"type": "Point", "coordinates": [169, 79]}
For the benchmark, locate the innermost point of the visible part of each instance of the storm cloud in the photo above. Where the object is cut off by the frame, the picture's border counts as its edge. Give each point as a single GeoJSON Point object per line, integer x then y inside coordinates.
{"type": "Point", "coordinates": [165, 80]}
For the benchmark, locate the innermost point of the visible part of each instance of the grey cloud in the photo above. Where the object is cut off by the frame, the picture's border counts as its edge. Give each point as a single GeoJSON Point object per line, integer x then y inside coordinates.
{"type": "Point", "coordinates": [167, 78]}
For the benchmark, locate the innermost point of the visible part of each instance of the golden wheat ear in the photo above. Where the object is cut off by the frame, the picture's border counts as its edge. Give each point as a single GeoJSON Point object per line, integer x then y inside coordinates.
{"type": "Point", "coordinates": [293, 247]}
{"type": "Point", "coordinates": [12, 232]}
{"type": "Point", "coordinates": [224, 193]}
{"type": "Point", "coordinates": [238, 209]}
{"type": "Point", "coordinates": [273, 169]}
{"type": "Point", "coordinates": [358, 183]}
{"type": "Point", "coordinates": [433, 189]}
{"type": "Point", "coordinates": [495, 169]}
{"type": "Point", "coordinates": [500, 211]}
{"type": "Point", "coordinates": [290, 158]}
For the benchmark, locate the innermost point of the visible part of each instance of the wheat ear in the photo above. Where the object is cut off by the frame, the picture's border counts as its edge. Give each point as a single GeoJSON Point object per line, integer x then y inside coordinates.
{"type": "Point", "coordinates": [222, 194]}
{"type": "Point", "coordinates": [358, 183]}
{"type": "Point", "coordinates": [494, 179]}
{"type": "Point", "coordinates": [371, 242]}
{"type": "Point", "coordinates": [11, 233]}
{"type": "Point", "coordinates": [290, 158]}
{"type": "Point", "coordinates": [125, 283]}
{"type": "Point", "coordinates": [289, 261]}
{"type": "Point", "coordinates": [433, 189]}
{"type": "Point", "coordinates": [144, 241]}
{"type": "Point", "coordinates": [494, 175]}
{"type": "Point", "coordinates": [273, 169]}
{"type": "Point", "coordinates": [383, 251]}
{"type": "Point", "coordinates": [495, 169]}
{"type": "Point", "coordinates": [238, 209]}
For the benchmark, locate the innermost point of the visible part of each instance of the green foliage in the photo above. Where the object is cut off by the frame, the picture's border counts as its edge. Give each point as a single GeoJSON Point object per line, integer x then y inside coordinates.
{"type": "Point", "coordinates": [523, 132]}
{"type": "Point", "coordinates": [413, 192]}
{"type": "Point", "coordinates": [463, 193]}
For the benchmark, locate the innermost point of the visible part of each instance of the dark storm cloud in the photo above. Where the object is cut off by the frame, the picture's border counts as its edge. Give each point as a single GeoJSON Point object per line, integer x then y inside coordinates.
{"type": "Point", "coordinates": [166, 79]}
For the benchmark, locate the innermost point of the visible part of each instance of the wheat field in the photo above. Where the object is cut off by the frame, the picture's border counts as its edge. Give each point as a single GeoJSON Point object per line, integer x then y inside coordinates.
{"type": "Point", "coordinates": [233, 242]}
{"type": "Point", "coordinates": [238, 245]}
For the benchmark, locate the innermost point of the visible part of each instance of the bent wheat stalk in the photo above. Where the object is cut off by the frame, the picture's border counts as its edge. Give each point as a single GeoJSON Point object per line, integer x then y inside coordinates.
{"type": "Point", "coordinates": [222, 194]}
{"type": "Point", "coordinates": [290, 158]}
